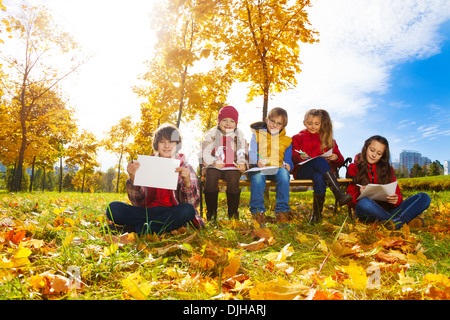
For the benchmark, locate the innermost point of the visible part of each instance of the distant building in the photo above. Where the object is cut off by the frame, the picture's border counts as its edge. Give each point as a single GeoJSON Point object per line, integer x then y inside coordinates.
{"type": "Point", "coordinates": [409, 158]}
{"type": "Point", "coordinates": [446, 164]}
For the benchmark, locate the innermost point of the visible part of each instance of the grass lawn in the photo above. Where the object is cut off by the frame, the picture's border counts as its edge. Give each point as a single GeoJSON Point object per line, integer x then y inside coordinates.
{"type": "Point", "coordinates": [53, 246]}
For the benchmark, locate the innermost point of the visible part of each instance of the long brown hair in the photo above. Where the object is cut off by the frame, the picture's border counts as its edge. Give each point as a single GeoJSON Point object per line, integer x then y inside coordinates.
{"type": "Point", "coordinates": [384, 170]}
{"type": "Point", "coordinates": [326, 127]}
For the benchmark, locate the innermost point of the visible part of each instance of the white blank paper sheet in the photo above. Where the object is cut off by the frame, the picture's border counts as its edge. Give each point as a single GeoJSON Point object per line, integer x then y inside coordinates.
{"type": "Point", "coordinates": [157, 172]}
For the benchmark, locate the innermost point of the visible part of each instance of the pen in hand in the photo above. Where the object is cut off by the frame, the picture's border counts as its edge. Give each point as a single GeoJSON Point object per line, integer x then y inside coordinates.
{"type": "Point", "coordinates": [303, 154]}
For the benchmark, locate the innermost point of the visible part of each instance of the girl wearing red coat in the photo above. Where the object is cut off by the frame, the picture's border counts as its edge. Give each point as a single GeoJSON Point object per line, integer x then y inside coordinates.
{"type": "Point", "coordinates": [372, 166]}
{"type": "Point", "coordinates": [312, 142]}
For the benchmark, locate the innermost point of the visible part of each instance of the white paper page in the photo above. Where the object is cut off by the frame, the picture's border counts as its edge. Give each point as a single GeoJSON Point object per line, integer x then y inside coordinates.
{"type": "Point", "coordinates": [378, 191]}
{"type": "Point", "coordinates": [157, 172]}
{"type": "Point", "coordinates": [326, 154]}
{"type": "Point", "coordinates": [268, 171]}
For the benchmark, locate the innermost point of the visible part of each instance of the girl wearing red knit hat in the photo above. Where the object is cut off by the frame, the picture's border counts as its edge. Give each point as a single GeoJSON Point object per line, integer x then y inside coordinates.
{"type": "Point", "coordinates": [224, 152]}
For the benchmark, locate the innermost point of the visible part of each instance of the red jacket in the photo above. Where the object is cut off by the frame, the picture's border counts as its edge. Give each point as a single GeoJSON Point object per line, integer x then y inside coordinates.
{"type": "Point", "coordinates": [310, 144]}
{"type": "Point", "coordinates": [353, 189]}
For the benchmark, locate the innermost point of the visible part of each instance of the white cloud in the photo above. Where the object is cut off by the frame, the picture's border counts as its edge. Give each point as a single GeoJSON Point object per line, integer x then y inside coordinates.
{"type": "Point", "coordinates": [360, 42]}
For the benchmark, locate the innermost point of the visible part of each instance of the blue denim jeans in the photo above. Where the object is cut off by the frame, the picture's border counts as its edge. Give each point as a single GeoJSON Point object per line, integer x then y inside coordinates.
{"type": "Point", "coordinates": [314, 170]}
{"type": "Point", "coordinates": [150, 220]}
{"type": "Point", "coordinates": [410, 208]}
{"type": "Point", "coordinates": [258, 185]}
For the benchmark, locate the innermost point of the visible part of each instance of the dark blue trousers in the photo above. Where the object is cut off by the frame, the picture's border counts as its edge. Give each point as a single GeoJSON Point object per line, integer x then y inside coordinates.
{"type": "Point", "coordinates": [314, 170]}
{"type": "Point", "coordinates": [150, 220]}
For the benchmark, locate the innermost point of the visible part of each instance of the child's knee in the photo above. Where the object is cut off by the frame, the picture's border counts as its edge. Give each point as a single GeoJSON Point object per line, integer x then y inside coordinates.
{"type": "Point", "coordinates": [111, 209]}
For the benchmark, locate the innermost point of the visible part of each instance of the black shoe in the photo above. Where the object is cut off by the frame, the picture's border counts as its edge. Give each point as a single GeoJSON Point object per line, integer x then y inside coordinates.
{"type": "Point", "coordinates": [318, 202]}
{"type": "Point", "coordinates": [342, 198]}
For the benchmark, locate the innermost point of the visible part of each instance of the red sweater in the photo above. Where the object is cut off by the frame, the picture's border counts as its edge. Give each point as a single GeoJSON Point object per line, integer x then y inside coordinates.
{"type": "Point", "coordinates": [353, 189]}
{"type": "Point", "coordinates": [310, 144]}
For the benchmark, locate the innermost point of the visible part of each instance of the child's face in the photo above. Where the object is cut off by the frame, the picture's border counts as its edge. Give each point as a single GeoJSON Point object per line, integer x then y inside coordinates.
{"type": "Point", "coordinates": [375, 151]}
{"type": "Point", "coordinates": [167, 148]}
{"type": "Point", "coordinates": [275, 124]}
{"type": "Point", "coordinates": [227, 125]}
{"type": "Point", "coordinates": [312, 124]}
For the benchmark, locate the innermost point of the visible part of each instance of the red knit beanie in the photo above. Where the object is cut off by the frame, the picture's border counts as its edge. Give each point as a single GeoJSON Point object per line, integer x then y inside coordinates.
{"type": "Point", "coordinates": [228, 112]}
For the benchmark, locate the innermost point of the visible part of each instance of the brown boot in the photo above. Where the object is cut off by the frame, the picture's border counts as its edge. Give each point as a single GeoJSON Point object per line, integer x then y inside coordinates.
{"type": "Point", "coordinates": [342, 198]}
{"type": "Point", "coordinates": [417, 223]}
{"type": "Point", "coordinates": [284, 216]}
{"type": "Point", "coordinates": [259, 217]}
{"type": "Point", "coordinates": [318, 202]}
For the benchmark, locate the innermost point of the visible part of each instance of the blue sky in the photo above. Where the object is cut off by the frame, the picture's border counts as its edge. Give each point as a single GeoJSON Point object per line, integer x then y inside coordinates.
{"type": "Point", "coordinates": [417, 103]}
{"type": "Point", "coordinates": [381, 67]}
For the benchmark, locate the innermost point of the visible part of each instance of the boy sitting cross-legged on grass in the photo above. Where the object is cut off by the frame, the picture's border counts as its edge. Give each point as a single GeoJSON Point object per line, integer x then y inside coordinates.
{"type": "Point", "coordinates": [155, 210]}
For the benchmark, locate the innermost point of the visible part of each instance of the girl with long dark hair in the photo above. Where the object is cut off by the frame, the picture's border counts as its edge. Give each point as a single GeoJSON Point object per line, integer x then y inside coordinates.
{"type": "Point", "coordinates": [372, 166]}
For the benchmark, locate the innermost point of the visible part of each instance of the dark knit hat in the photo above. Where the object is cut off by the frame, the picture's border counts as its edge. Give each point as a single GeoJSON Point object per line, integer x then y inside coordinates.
{"type": "Point", "coordinates": [228, 112]}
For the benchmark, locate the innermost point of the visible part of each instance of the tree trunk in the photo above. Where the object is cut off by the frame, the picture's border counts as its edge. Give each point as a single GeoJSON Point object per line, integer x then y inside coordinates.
{"type": "Point", "coordinates": [84, 175]}
{"type": "Point", "coordinates": [266, 89]}
{"type": "Point", "coordinates": [17, 180]}
{"type": "Point", "coordinates": [181, 105]}
{"type": "Point", "coordinates": [118, 174]}
{"type": "Point", "coordinates": [60, 174]}
{"type": "Point", "coordinates": [43, 181]}
{"type": "Point", "coordinates": [32, 174]}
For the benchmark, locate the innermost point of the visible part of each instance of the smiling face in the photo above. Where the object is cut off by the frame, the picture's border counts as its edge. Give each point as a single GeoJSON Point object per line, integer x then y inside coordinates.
{"type": "Point", "coordinates": [167, 148]}
{"type": "Point", "coordinates": [375, 151]}
{"type": "Point", "coordinates": [313, 124]}
{"type": "Point", "coordinates": [275, 124]}
{"type": "Point", "coordinates": [227, 125]}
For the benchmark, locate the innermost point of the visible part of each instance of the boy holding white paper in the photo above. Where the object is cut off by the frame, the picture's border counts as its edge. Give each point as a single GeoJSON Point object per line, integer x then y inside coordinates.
{"type": "Point", "coordinates": [157, 210]}
{"type": "Point", "coordinates": [372, 166]}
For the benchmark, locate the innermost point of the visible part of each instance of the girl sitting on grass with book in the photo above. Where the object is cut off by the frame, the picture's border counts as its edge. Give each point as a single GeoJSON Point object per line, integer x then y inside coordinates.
{"type": "Point", "coordinates": [372, 166]}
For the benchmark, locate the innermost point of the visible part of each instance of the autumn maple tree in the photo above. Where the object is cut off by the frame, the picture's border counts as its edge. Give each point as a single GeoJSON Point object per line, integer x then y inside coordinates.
{"type": "Point", "coordinates": [261, 40]}
{"type": "Point", "coordinates": [176, 88]}
{"type": "Point", "coordinates": [118, 141]}
{"type": "Point", "coordinates": [32, 75]}
{"type": "Point", "coordinates": [82, 152]}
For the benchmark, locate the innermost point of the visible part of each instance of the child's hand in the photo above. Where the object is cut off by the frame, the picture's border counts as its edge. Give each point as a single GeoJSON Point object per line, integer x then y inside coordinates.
{"type": "Point", "coordinates": [287, 166]}
{"type": "Point", "coordinates": [332, 157]}
{"type": "Point", "coordinates": [132, 168]}
{"type": "Point", "coordinates": [304, 156]}
{"type": "Point", "coordinates": [392, 199]}
{"type": "Point", "coordinates": [261, 163]}
{"type": "Point", "coordinates": [185, 175]}
{"type": "Point", "coordinates": [241, 167]}
{"type": "Point", "coordinates": [219, 164]}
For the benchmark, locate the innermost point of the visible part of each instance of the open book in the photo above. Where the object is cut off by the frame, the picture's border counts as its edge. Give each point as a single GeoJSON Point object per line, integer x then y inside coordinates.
{"type": "Point", "coordinates": [378, 191]}
{"type": "Point", "coordinates": [268, 171]}
{"type": "Point", "coordinates": [325, 155]}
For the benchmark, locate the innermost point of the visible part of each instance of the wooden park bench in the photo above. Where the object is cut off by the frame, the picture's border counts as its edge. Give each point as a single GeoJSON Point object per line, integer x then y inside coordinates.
{"type": "Point", "coordinates": [343, 183]}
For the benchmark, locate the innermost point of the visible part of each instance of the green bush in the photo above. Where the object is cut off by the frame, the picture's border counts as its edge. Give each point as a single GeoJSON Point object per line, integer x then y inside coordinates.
{"type": "Point", "coordinates": [434, 183]}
